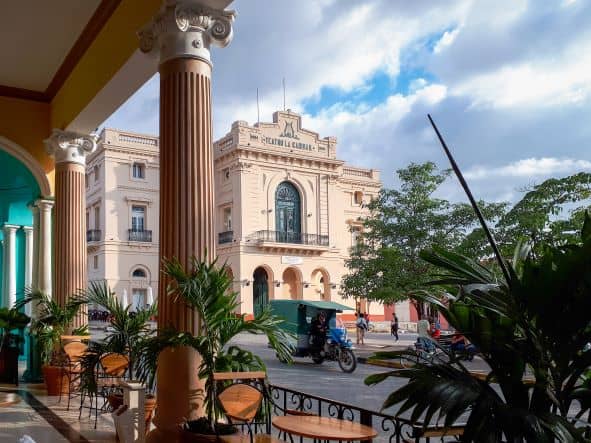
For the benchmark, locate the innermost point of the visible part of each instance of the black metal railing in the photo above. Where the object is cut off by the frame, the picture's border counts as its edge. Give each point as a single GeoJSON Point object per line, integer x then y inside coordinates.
{"type": "Point", "coordinates": [390, 429]}
{"type": "Point", "coordinates": [291, 237]}
{"type": "Point", "coordinates": [225, 237]}
{"type": "Point", "coordinates": [93, 235]}
{"type": "Point", "coordinates": [145, 236]}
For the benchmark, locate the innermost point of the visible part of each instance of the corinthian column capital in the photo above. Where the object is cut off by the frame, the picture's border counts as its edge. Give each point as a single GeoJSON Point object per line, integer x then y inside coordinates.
{"type": "Point", "coordinates": [187, 29]}
{"type": "Point", "coordinates": [70, 147]}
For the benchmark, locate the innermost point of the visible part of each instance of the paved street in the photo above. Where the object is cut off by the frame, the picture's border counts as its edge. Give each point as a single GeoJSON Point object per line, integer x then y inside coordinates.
{"type": "Point", "coordinates": [327, 380]}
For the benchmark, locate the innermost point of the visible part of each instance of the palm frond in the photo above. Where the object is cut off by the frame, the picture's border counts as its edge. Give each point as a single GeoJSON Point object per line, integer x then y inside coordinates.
{"type": "Point", "coordinates": [206, 288]}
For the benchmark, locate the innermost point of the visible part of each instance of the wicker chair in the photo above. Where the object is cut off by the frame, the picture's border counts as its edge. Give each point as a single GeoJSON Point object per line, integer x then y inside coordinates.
{"type": "Point", "coordinates": [241, 401]}
{"type": "Point", "coordinates": [73, 370]}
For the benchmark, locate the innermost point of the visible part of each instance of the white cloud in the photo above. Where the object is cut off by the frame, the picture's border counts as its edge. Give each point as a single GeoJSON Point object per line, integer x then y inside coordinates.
{"type": "Point", "coordinates": [562, 80]}
{"type": "Point", "coordinates": [446, 40]}
{"type": "Point", "coordinates": [530, 167]}
{"type": "Point", "coordinates": [509, 80]}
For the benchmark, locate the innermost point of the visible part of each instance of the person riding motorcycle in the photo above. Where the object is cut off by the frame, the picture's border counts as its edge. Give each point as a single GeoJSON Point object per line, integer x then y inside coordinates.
{"type": "Point", "coordinates": [318, 330]}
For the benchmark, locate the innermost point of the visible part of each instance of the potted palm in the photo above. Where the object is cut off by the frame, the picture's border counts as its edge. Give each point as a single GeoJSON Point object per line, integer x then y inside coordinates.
{"type": "Point", "coordinates": [50, 323]}
{"type": "Point", "coordinates": [11, 320]}
{"type": "Point", "coordinates": [127, 332]}
{"type": "Point", "coordinates": [533, 330]}
{"type": "Point", "coordinates": [206, 289]}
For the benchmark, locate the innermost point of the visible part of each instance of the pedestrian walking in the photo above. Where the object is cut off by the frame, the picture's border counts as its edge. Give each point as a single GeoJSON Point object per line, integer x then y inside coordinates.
{"type": "Point", "coordinates": [361, 326]}
{"type": "Point", "coordinates": [424, 339]}
{"type": "Point", "coordinates": [394, 326]}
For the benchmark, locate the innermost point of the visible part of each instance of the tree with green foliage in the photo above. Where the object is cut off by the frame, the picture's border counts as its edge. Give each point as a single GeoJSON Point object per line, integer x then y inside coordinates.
{"type": "Point", "coordinates": [385, 265]}
{"type": "Point", "coordinates": [550, 213]}
{"type": "Point", "coordinates": [533, 331]}
{"type": "Point", "coordinates": [536, 218]}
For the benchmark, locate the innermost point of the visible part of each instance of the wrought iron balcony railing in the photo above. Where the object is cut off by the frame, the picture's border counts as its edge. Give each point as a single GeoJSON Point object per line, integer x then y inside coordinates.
{"type": "Point", "coordinates": [225, 237]}
{"type": "Point", "coordinates": [93, 235]}
{"type": "Point", "coordinates": [390, 429]}
{"type": "Point", "coordinates": [144, 236]}
{"type": "Point", "coordinates": [291, 237]}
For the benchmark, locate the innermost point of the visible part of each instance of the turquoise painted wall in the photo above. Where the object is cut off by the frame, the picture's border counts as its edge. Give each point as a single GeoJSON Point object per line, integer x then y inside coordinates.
{"type": "Point", "coordinates": [18, 188]}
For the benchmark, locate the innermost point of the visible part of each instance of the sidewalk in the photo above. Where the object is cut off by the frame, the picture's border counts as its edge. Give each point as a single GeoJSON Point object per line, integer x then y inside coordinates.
{"type": "Point", "coordinates": [388, 344]}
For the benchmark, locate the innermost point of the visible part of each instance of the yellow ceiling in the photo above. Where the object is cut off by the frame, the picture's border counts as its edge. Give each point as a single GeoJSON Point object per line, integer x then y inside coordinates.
{"type": "Point", "coordinates": [36, 36]}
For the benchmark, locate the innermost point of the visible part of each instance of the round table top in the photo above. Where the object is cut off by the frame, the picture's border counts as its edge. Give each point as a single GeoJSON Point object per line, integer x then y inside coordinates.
{"type": "Point", "coordinates": [323, 428]}
{"type": "Point", "coordinates": [8, 399]}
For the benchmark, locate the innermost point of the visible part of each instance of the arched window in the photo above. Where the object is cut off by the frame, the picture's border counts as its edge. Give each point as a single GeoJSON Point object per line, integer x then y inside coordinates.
{"type": "Point", "coordinates": [288, 213]}
{"type": "Point", "coordinates": [140, 273]}
{"type": "Point", "coordinates": [260, 290]}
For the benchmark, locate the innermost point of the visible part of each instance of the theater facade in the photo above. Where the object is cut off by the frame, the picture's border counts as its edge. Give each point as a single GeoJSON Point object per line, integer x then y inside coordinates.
{"type": "Point", "coordinates": [286, 208]}
{"type": "Point", "coordinates": [288, 211]}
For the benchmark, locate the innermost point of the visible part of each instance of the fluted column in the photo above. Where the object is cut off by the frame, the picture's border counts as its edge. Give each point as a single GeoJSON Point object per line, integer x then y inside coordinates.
{"type": "Point", "coordinates": [181, 36]}
{"type": "Point", "coordinates": [28, 262]}
{"type": "Point", "coordinates": [70, 150]}
{"type": "Point", "coordinates": [35, 241]}
{"type": "Point", "coordinates": [9, 264]}
{"type": "Point", "coordinates": [43, 257]}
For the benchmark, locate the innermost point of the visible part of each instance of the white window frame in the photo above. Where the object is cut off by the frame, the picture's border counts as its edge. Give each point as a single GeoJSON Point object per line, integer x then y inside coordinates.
{"type": "Point", "coordinates": [97, 216]}
{"type": "Point", "coordinates": [145, 217]}
{"type": "Point", "coordinates": [227, 226]}
{"type": "Point", "coordinates": [139, 166]}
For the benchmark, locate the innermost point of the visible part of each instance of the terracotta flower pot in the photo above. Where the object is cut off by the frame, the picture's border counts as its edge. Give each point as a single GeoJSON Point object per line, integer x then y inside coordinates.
{"type": "Point", "coordinates": [193, 436]}
{"type": "Point", "coordinates": [55, 379]}
{"type": "Point", "coordinates": [149, 406]}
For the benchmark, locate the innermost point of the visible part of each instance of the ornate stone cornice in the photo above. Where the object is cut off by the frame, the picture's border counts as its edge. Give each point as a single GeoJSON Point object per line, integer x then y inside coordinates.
{"type": "Point", "coordinates": [186, 29]}
{"type": "Point", "coordinates": [72, 147]}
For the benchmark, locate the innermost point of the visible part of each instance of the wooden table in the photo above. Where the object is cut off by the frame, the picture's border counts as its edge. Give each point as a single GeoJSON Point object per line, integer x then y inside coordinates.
{"type": "Point", "coordinates": [75, 337]}
{"type": "Point", "coordinates": [528, 380]}
{"type": "Point", "coordinates": [323, 428]}
{"type": "Point", "coordinates": [8, 399]}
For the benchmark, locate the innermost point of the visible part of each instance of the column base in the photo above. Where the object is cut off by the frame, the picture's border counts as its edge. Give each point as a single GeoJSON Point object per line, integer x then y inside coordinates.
{"type": "Point", "coordinates": [179, 392]}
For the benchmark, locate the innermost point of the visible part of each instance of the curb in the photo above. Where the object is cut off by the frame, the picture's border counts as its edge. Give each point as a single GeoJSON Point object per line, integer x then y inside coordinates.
{"type": "Point", "coordinates": [381, 363]}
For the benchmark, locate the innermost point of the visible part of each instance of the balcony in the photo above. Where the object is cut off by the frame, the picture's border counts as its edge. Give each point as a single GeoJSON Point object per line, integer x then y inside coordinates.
{"type": "Point", "coordinates": [93, 235]}
{"type": "Point", "coordinates": [142, 236]}
{"type": "Point", "coordinates": [225, 237]}
{"type": "Point", "coordinates": [296, 241]}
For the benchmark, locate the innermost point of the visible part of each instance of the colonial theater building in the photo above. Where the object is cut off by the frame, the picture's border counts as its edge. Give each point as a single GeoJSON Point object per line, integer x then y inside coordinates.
{"type": "Point", "coordinates": [286, 209]}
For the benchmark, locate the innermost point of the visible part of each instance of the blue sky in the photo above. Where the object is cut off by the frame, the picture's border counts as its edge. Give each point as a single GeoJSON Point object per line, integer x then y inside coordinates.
{"type": "Point", "coordinates": [374, 92]}
{"type": "Point", "coordinates": [508, 82]}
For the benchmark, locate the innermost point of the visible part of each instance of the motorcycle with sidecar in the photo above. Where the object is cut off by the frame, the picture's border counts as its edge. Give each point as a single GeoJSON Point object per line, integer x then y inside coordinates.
{"type": "Point", "coordinates": [298, 316]}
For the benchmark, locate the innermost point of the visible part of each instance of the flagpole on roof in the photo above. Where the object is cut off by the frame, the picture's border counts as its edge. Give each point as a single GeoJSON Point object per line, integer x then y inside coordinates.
{"type": "Point", "coordinates": [283, 93]}
{"type": "Point", "coordinates": [258, 110]}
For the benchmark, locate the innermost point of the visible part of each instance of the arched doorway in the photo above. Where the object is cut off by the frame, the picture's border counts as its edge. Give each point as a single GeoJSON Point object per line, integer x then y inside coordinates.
{"type": "Point", "coordinates": [140, 282]}
{"type": "Point", "coordinates": [18, 188]}
{"type": "Point", "coordinates": [288, 213]}
{"type": "Point", "coordinates": [321, 283]}
{"type": "Point", "coordinates": [291, 284]}
{"type": "Point", "coordinates": [260, 290]}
